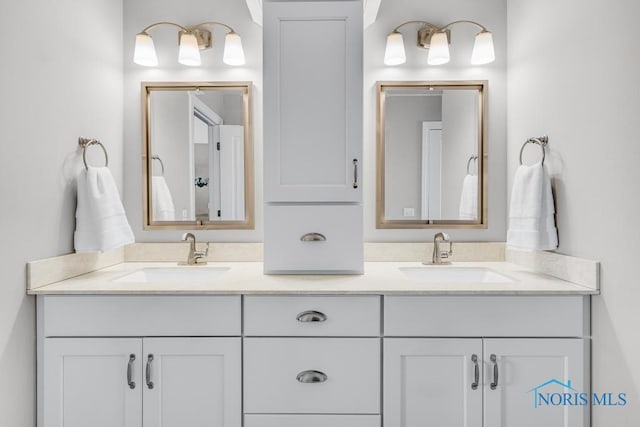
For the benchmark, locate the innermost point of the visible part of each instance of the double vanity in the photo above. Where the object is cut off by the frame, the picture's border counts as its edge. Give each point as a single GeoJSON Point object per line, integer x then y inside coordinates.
{"type": "Point", "coordinates": [222, 344]}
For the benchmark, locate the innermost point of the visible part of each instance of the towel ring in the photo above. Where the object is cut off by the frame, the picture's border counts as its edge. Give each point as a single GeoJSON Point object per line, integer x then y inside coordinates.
{"type": "Point", "coordinates": [156, 157]}
{"type": "Point", "coordinates": [541, 141]}
{"type": "Point", "coordinates": [86, 143]}
{"type": "Point", "coordinates": [472, 158]}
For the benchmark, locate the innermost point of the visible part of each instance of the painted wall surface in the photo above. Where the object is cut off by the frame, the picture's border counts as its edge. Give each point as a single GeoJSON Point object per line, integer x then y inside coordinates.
{"type": "Point", "coordinates": [55, 85]}
{"type": "Point", "coordinates": [582, 89]}
{"type": "Point", "coordinates": [137, 15]}
{"type": "Point", "coordinates": [492, 14]}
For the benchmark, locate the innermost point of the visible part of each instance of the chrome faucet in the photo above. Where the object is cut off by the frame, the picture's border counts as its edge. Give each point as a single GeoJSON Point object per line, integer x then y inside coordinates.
{"type": "Point", "coordinates": [194, 255]}
{"type": "Point", "coordinates": [438, 254]}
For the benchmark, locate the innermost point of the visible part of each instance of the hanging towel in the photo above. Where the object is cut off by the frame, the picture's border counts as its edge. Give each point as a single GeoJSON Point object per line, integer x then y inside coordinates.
{"type": "Point", "coordinates": [163, 209]}
{"type": "Point", "coordinates": [531, 215]}
{"type": "Point", "coordinates": [101, 223]}
{"type": "Point", "coordinates": [469, 198]}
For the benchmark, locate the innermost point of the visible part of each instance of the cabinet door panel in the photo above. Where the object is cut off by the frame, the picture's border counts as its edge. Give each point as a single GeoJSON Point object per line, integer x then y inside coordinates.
{"type": "Point", "coordinates": [288, 420]}
{"type": "Point", "coordinates": [523, 365]}
{"type": "Point", "coordinates": [85, 382]}
{"type": "Point", "coordinates": [427, 382]}
{"type": "Point", "coordinates": [196, 382]}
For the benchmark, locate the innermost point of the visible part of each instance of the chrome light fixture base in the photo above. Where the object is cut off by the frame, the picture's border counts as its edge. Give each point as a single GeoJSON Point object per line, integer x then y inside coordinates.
{"type": "Point", "coordinates": [426, 33]}
{"type": "Point", "coordinates": [202, 35]}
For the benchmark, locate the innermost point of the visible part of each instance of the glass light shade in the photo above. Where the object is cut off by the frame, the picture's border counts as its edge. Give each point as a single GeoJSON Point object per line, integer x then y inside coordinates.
{"type": "Point", "coordinates": [144, 52]}
{"type": "Point", "coordinates": [394, 53]}
{"type": "Point", "coordinates": [233, 52]}
{"type": "Point", "coordinates": [483, 52]}
{"type": "Point", "coordinates": [189, 53]}
{"type": "Point", "coordinates": [438, 49]}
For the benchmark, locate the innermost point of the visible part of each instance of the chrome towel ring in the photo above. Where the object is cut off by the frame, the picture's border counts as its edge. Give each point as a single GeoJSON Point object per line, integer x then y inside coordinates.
{"type": "Point", "coordinates": [156, 157]}
{"type": "Point", "coordinates": [472, 158]}
{"type": "Point", "coordinates": [86, 143]}
{"type": "Point", "coordinates": [542, 141]}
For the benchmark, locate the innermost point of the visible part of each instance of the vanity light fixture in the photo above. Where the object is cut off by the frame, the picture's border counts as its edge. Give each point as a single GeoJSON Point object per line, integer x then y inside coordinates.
{"type": "Point", "coordinates": [436, 39]}
{"type": "Point", "coordinates": [191, 40]}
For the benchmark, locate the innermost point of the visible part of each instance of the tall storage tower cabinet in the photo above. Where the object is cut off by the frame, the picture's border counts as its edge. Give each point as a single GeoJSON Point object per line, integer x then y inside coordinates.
{"type": "Point", "coordinates": [313, 137]}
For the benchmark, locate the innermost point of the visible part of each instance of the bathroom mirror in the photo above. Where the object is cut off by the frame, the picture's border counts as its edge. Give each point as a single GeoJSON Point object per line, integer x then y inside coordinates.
{"type": "Point", "coordinates": [197, 155]}
{"type": "Point", "coordinates": [431, 154]}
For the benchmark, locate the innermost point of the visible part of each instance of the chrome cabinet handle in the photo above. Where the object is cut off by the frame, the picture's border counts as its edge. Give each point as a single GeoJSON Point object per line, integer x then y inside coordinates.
{"type": "Point", "coordinates": [132, 384]}
{"type": "Point", "coordinates": [311, 316]}
{"type": "Point", "coordinates": [355, 173]}
{"type": "Point", "coordinates": [308, 377]}
{"type": "Point", "coordinates": [313, 237]}
{"type": "Point", "coordinates": [476, 372]}
{"type": "Point", "coordinates": [494, 360]}
{"type": "Point", "coordinates": [148, 371]}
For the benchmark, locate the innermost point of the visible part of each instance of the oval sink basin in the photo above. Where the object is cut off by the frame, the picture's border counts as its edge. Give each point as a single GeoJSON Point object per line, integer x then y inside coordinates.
{"type": "Point", "coordinates": [174, 275]}
{"type": "Point", "coordinates": [454, 275]}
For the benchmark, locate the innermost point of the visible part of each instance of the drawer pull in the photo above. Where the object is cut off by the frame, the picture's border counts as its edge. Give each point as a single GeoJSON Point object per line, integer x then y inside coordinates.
{"type": "Point", "coordinates": [148, 373]}
{"type": "Point", "coordinates": [311, 316]}
{"type": "Point", "coordinates": [313, 237]}
{"type": "Point", "coordinates": [476, 372]}
{"type": "Point", "coordinates": [132, 384]}
{"type": "Point", "coordinates": [494, 384]}
{"type": "Point", "coordinates": [308, 377]}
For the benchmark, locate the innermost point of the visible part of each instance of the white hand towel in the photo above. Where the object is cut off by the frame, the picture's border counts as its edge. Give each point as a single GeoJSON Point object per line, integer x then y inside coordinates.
{"type": "Point", "coordinates": [101, 223]}
{"type": "Point", "coordinates": [469, 198]}
{"type": "Point", "coordinates": [531, 214]}
{"type": "Point", "coordinates": [163, 209]}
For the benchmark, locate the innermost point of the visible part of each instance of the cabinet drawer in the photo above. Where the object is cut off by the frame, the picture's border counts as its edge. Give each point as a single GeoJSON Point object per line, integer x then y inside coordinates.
{"type": "Point", "coordinates": [126, 316]}
{"type": "Point", "coordinates": [312, 316]}
{"type": "Point", "coordinates": [486, 316]}
{"type": "Point", "coordinates": [263, 420]}
{"type": "Point", "coordinates": [273, 383]}
{"type": "Point", "coordinates": [339, 248]}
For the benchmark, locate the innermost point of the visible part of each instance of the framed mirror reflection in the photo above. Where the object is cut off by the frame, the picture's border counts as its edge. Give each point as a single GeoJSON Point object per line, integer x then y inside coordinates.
{"type": "Point", "coordinates": [431, 154]}
{"type": "Point", "coordinates": [197, 155]}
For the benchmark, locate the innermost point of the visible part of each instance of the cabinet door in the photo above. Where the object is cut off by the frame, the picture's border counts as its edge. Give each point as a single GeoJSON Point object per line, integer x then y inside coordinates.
{"type": "Point", "coordinates": [192, 382]}
{"type": "Point", "coordinates": [432, 382]}
{"type": "Point", "coordinates": [313, 101]}
{"type": "Point", "coordinates": [86, 382]}
{"type": "Point", "coordinates": [527, 368]}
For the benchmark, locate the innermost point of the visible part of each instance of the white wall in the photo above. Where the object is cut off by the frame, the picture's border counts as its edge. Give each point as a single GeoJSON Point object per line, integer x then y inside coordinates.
{"type": "Point", "coordinates": [492, 14]}
{"type": "Point", "coordinates": [137, 15]}
{"type": "Point", "coordinates": [581, 87]}
{"type": "Point", "coordinates": [61, 77]}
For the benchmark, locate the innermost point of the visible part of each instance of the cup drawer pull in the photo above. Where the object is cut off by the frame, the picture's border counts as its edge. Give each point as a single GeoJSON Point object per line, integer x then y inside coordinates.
{"type": "Point", "coordinates": [308, 377]}
{"type": "Point", "coordinates": [311, 316]}
{"type": "Point", "coordinates": [313, 237]}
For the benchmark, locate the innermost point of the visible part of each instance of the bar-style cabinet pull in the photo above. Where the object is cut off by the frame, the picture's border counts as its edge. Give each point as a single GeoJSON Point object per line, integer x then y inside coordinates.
{"type": "Point", "coordinates": [308, 377]}
{"type": "Point", "coordinates": [313, 237]}
{"type": "Point", "coordinates": [148, 371]}
{"type": "Point", "coordinates": [494, 360]}
{"type": "Point", "coordinates": [355, 173]}
{"type": "Point", "coordinates": [311, 316]}
{"type": "Point", "coordinates": [476, 372]}
{"type": "Point", "coordinates": [132, 359]}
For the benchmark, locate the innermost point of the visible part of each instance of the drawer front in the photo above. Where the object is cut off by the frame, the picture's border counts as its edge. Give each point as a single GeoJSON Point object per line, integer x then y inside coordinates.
{"type": "Point", "coordinates": [264, 420]}
{"type": "Point", "coordinates": [486, 316]}
{"type": "Point", "coordinates": [337, 230]}
{"type": "Point", "coordinates": [123, 316]}
{"type": "Point", "coordinates": [277, 378]}
{"type": "Point", "coordinates": [312, 316]}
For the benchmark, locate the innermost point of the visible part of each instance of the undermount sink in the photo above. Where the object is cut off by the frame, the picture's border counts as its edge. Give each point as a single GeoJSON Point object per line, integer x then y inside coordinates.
{"type": "Point", "coordinates": [435, 274]}
{"type": "Point", "coordinates": [184, 275]}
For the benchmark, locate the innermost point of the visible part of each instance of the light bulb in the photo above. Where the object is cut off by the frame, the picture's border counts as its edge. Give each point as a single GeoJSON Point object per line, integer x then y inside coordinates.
{"type": "Point", "coordinates": [438, 49]}
{"type": "Point", "coordinates": [394, 53]}
{"type": "Point", "coordinates": [483, 52]}
{"type": "Point", "coordinates": [189, 53]}
{"type": "Point", "coordinates": [144, 52]}
{"type": "Point", "coordinates": [233, 52]}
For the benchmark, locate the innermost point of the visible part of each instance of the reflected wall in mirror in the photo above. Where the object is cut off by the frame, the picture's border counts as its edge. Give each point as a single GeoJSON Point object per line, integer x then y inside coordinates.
{"type": "Point", "coordinates": [431, 155]}
{"type": "Point", "coordinates": [197, 156]}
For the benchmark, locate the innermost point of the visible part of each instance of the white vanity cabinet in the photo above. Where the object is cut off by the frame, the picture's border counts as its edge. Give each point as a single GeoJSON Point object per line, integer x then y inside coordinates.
{"type": "Point", "coordinates": [111, 361]}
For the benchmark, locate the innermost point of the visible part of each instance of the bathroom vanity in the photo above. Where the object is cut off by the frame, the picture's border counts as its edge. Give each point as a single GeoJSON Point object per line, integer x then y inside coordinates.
{"type": "Point", "coordinates": [385, 348]}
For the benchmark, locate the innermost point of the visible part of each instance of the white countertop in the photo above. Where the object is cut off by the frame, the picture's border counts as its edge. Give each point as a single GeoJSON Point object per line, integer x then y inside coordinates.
{"type": "Point", "coordinates": [380, 278]}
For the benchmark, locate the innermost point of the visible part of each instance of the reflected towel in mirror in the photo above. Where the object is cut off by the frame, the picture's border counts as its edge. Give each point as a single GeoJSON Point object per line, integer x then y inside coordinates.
{"type": "Point", "coordinates": [163, 209]}
{"type": "Point", "coordinates": [101, 223]}
{"type": "Point", "coordinates": [469, 198]}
